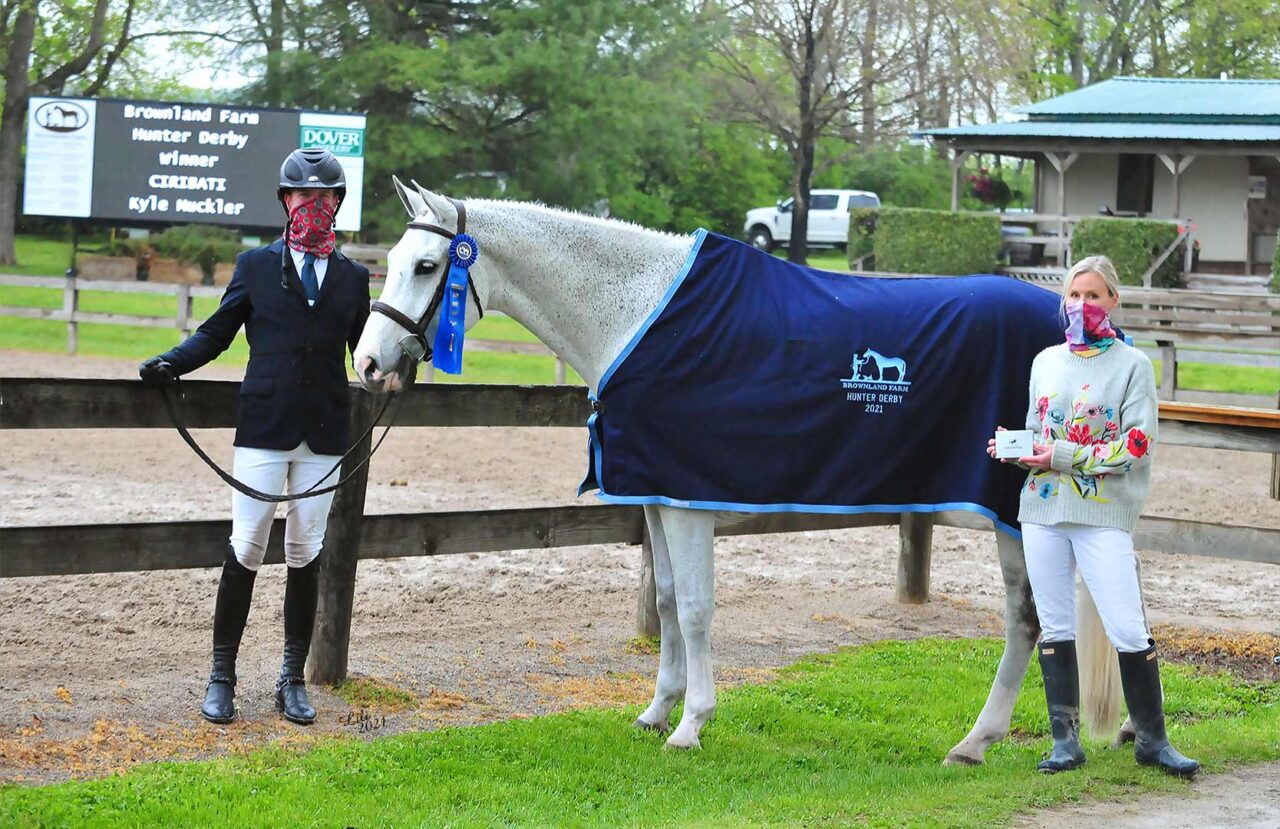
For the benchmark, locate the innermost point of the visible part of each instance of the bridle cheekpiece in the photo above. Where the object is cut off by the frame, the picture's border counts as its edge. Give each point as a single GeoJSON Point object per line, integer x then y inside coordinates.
{"type": "Point", "coordinates": [449, 298]}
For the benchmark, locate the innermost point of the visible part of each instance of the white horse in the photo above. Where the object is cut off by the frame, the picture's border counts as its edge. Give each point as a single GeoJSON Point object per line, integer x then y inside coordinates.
{"type": "Point", "coordinates": [584, 286]}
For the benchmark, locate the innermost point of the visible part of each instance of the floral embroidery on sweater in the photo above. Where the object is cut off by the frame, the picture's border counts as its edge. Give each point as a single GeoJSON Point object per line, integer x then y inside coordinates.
{"type": "Point", "coordinates": [1100, 448]}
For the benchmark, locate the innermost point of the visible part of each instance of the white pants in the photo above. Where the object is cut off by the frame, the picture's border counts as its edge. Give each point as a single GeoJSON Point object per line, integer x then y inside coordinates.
{"type": "Point", "coordinates": [268, 470]}
{"type": "Point", "coordinates": [1109, 568]}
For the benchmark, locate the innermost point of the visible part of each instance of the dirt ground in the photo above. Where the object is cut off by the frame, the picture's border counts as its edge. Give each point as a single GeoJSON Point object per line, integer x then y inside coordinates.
{"type": "Point", "coordinates": [103, 671]}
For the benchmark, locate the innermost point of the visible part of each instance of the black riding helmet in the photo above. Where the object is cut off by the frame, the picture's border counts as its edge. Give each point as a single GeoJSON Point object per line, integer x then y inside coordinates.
{"type": "Point", "coordinates": [311, 169]}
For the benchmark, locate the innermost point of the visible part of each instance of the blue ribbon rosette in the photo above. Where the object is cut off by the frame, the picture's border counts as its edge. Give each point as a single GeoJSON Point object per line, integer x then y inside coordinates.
{"type": "Point", "coordinates": [451, 332]}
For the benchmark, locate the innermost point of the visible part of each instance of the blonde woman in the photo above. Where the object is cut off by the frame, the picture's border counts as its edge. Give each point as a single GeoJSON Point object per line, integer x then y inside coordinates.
{"type": "Point", "coordinates": [1093, 409]}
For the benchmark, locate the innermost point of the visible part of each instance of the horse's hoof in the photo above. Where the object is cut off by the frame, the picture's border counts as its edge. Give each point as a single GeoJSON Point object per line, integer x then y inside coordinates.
{"type": "Point", "coordinates": [660, 727]}
{"type": "Point", "coordinates": [1123, 738]}
{"type": "Point", "coordinates": [955, 758]}
{"type": "Point", "coordinates": [672, 742]}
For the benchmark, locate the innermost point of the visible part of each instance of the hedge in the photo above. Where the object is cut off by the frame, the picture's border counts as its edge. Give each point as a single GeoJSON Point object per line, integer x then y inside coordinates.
{"type": "Point", "coordinates": [862, 231]}
{"type": "Point", "coordinates": [909, 240]}
{"type": "Point", "coordinates": [1132, 244]}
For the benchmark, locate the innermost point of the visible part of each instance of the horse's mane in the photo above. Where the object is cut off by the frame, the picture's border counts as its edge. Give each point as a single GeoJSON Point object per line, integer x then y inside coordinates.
{"type": "Point", "coordinates": [544, 210]}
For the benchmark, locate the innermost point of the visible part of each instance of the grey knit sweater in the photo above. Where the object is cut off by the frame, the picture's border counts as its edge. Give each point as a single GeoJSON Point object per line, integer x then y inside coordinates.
{"type": "Point", "coordinates": [1100, 413]}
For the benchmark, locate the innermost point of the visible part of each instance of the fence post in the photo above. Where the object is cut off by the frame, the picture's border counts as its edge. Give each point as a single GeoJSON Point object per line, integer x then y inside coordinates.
{"type": "Point", "coordinates": [560, 373]}
{"type": "Point", "coordinates": [70, 305]}
{"type": "Point", "coordinates": [332, 636]}
{"type": "Point", "coordinates": [1275, 467]}
{"type": "Point", "coordinates": [647, 622]}
{"type": "Point", "coordinates": [915, 553]}
{"type": "Point", "coordinates": [1168, 369]}
{"type": "Point", "coordinates": [184, 310]}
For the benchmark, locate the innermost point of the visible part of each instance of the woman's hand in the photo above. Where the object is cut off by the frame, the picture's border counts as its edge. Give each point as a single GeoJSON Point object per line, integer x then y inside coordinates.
{"type": "Point", "coordinates": [991, 446]}
{"type": "Point", "coordinates": [1041, 455]}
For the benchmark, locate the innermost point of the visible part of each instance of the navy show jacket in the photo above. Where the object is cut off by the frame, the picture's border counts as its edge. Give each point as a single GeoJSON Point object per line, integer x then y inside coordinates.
{"type": "Point", "coordinates": [295, 387]}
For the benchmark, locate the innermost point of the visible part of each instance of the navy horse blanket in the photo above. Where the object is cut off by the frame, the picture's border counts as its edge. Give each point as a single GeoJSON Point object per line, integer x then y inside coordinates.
{"type": "Point", "coordinates": [757, 385]}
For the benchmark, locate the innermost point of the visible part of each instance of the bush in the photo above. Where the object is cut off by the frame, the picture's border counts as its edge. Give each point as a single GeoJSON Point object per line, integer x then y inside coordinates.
{"type": "Point", "coordinates": [909, 240]}
{"type": "Point", "coordinates": [1132, 244]}
{"type": "Point", "coordinates": [862, 230]}
{"type": "Point", "coordinates": [201, 245]}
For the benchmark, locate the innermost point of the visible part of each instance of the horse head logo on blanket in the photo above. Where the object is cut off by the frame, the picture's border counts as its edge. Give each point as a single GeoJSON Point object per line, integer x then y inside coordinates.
{"type": "Point", "coordinates": [870, 365]}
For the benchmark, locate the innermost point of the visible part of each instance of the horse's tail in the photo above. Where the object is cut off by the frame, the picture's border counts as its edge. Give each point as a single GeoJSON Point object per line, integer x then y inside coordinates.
{"type": "Point", "coordinates": [1100, 690]}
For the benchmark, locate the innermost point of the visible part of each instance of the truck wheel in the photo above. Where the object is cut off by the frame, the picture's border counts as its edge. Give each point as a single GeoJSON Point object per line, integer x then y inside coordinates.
{"type": "Point", "coordinates": [761, 239]}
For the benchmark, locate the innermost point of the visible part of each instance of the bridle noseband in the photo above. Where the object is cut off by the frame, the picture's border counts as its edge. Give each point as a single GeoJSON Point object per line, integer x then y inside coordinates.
{"type": "Point", "coordinates": [415, 346]}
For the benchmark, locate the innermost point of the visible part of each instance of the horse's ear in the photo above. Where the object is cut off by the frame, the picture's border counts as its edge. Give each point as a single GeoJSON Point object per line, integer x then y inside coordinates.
{"type": "Point", "coordinates": [414, 204]}
{"type": "Point", "coordinates": [442, 207]}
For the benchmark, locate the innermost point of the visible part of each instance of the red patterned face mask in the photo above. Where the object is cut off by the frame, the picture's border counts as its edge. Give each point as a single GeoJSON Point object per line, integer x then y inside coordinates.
{"type": "Point", "coordinates": [310, 227]}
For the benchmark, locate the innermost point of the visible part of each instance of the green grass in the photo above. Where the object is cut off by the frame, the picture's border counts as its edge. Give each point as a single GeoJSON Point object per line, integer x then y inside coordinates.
{"type": "Point", "coordinates": [853, 738]}
{"type": "Point", "coordinates": [1241, 379]}
{"type": "Point", "coordinates": [367, 692]}
{"type": "Point", "coordinates": [38, 256]}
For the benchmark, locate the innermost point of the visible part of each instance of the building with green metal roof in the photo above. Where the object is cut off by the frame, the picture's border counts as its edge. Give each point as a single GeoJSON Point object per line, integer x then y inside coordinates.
{"type": "Point", "coordinates": [1204, 151]}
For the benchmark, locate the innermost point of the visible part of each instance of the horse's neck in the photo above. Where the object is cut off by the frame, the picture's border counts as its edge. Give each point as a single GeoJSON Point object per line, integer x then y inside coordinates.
{"type": "Point", "coordinates": [582, 285]}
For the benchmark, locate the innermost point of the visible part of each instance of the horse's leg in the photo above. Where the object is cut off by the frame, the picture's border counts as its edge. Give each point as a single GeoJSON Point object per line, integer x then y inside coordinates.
{"type": "Point", "coordinates": [690, 537]}
{"type": "Point", "coordinates": [671, 661]}
{"type": "Point", "coordinates": [1021, 628]}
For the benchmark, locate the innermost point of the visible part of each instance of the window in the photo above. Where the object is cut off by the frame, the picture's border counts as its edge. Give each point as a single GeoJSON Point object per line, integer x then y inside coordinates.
{"type": "Point", "coordinates": [824, 201]}
{"type": "Point", "coordinates": [863, 201]}
{"type": "Point", "coordinates": [1133, 184]}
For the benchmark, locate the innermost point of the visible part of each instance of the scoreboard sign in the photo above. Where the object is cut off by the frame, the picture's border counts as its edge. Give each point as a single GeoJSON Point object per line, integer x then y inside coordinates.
{"type": "Point", "coordinates": [147, 161]}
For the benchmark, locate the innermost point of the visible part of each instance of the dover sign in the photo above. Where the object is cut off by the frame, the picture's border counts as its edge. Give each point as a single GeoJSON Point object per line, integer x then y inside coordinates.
{"type": "Point", "coordinates": [148, 161]}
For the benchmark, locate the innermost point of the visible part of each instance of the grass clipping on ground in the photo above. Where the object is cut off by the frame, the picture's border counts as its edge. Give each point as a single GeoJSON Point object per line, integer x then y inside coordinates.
{"type": "Point", "coordinates": [854, 737]}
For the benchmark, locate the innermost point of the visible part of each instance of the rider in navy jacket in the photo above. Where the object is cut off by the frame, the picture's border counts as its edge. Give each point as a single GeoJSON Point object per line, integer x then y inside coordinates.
{"type": "Point", "coordinates": [295, 387]}
{"type": "Point", "coordinates": [303, 306]}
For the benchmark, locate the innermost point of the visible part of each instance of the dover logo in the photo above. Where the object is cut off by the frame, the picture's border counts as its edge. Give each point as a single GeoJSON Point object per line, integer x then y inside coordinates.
{"type": "Point", "coordinates": [62, 116]}
{"type": "Point", "coordinates": [337, 140]}
{"type": "Point", "coordinates": [877, 381]}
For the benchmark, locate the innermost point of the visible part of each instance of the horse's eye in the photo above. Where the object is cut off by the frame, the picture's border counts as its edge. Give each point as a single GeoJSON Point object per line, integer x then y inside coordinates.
{"type": "Point", "coordinates": [424, 268]}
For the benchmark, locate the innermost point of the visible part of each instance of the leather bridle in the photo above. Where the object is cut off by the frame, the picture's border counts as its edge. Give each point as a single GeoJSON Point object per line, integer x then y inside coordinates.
{"type": "Point", "coordinates": [415, 345]}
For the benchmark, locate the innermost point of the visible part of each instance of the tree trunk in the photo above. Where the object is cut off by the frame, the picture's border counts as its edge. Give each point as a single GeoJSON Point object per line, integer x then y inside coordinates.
{"type": "Point", "coordinates": [16, 95]}
{"type": "Point", "coordinates": [868, 75]}
{"type": "Point", "coordinates": [798, 251]}
{"type": "Point", "coordinates": [274, 43]}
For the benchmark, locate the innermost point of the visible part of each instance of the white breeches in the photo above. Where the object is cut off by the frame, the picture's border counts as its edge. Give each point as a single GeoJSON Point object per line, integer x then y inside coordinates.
{"type": "Point", "coordinates": [1109, 568]}
{"type": "Point", "coordinates": [268, 470]}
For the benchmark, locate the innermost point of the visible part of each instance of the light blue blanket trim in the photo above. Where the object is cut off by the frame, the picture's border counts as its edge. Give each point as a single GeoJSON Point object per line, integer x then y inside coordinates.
{"type": "Point", "coordinates": [818, 508]}
{"type": "Point", "coordinates": [699, 235]}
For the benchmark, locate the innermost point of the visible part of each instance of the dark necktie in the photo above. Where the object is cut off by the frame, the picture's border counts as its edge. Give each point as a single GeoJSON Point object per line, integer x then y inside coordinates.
{"type": "Point", "coordinates": [309, 282]}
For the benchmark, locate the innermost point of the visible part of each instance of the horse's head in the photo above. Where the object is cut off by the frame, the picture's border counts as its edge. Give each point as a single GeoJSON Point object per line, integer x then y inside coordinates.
{"type": "Point", "coordinates": [395, 339]}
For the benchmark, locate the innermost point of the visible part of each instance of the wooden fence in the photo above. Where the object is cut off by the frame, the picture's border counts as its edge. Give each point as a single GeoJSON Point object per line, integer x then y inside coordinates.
{"type": "Point", "coordinates": [115, 404]}
{"type": "Point", "coordinates": [183, 320]}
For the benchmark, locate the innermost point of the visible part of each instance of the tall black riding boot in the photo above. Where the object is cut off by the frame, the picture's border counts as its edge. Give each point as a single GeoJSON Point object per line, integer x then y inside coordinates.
{"type": "Point", "coordinates": [1140, 675]}
{"type": "Point", "coordinates": [235, 592]}
{"type": "Point", "coordinates": [301, 591]}
{"type": "Point", "coordinates": [1062, 693]}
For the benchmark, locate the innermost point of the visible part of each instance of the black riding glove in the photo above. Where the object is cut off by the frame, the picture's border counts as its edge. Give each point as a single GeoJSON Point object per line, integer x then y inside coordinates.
{"type": "Point", "coordinates": [157, 372]}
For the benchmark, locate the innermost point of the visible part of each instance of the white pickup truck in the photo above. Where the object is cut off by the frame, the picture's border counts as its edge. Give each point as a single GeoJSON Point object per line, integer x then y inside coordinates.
{"type": "Point", "coordinates": [769, 227]}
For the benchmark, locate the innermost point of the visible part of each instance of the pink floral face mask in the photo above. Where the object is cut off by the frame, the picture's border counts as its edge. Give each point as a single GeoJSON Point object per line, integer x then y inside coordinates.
{"type": "Point", "coordinates": [1089, 329]}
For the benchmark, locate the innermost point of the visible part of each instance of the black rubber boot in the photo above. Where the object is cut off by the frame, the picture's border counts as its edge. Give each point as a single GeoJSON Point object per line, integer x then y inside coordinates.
{"type": "Point", "coordinates": [301, 592]}
{"type": "Point", "coordinates": [235, 593]}
{"type": "Point", "coordinates": [1062, 693]}
{"type": "Point", "coordinates": [1140, 675]}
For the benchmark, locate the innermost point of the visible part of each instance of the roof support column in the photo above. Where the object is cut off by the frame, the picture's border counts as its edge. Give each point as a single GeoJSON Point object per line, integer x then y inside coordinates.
{"type": "Point", "coordinates": [1062, 163]}
{"type": "Point", "coordinates": [958, 159]}
{"type": "Point", "coordinates": [1177, 164]}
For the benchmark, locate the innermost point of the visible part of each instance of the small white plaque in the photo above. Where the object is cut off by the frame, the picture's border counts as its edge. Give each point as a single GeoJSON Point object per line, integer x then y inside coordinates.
{"type": "Point", "coordinates": [1015, 444]}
